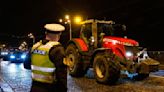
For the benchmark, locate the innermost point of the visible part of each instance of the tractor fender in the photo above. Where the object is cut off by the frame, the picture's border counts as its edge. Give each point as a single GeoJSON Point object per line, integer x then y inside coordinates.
{"type": "Point", "coordinates": [110, 50]}
{"type": "Point", "coordinates": [119, 52]}
{"type": "Point", "coordinates": [79, 43]}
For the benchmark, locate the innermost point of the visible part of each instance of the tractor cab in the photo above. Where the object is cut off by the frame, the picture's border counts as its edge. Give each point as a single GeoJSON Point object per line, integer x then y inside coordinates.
{"type": "Point", "coordinates": [93, 31]}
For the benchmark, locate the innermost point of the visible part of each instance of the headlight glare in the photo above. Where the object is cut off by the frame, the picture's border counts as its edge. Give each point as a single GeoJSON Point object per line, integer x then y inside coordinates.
{"type": "Point", "coordinates": [129, 54]}
{"type": "Point", "coordinates": [12, 56]}
{"type": "Point", "coordinates": [23, 56]}
{"type": "Point", "coordinates": [4, 53]}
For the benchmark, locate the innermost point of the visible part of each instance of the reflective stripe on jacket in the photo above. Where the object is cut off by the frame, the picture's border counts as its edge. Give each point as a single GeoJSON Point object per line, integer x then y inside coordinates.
{"type": "Point", "coordinates": [42, 67]}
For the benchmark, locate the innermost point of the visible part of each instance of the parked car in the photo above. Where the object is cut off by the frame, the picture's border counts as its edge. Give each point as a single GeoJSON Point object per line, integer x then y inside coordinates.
{"type": "Point", "coordinates": [17, 56]}
{"type": "Point", "coordinates": [4, 55]}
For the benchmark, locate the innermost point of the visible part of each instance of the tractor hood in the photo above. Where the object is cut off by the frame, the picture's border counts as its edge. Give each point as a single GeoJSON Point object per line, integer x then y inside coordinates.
{"type": "Point", "coordinates": [119, 40]}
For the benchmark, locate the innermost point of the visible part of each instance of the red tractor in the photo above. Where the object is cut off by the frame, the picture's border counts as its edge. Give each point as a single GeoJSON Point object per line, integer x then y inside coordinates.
{"type": "Point", "coordinates": [103, 47]}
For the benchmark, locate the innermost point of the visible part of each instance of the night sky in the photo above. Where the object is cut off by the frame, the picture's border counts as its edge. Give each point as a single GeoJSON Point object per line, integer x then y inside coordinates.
{"type": "Point", "coordinates": [144, 18]}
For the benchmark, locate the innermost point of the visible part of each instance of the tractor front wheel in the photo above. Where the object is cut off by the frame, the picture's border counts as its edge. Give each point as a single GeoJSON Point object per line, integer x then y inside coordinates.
{"type": "Point", "coordinates": [106, 69]}
{"type": "Point", "coordinates": [75, 65]}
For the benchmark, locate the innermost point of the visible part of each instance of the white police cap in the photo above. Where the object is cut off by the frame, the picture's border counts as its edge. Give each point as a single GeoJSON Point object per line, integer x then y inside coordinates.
{"type": "Point", "coordinates": [54, 27]}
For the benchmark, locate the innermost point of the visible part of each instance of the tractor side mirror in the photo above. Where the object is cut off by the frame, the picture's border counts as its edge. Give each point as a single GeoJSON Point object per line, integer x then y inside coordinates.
{"type": "Point", "coordinates": [123, 27]}
{"type": "Point", "coordinates": [102, 34]}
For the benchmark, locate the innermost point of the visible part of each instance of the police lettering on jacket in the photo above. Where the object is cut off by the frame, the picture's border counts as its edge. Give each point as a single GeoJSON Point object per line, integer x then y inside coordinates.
{"type": "Point", "coordinates": [39, 52]}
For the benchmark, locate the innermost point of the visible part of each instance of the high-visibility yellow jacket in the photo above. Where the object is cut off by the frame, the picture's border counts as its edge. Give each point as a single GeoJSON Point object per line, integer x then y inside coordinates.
{"type": "Point", "coordinates": [42, 67]}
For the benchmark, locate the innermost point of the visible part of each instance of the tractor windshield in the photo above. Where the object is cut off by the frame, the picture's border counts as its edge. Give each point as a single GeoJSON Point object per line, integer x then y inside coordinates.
{"type": "Point", "coordinates": [111, 29]}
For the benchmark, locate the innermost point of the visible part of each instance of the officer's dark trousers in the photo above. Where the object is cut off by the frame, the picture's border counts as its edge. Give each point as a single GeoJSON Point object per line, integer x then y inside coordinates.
{"type": "Point", "coordinates": [45, 87]}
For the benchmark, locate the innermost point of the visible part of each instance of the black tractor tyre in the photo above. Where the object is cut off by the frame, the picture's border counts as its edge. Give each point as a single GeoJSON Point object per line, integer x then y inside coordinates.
{"type": "Point", "coordinates": [106, 69]}
{"type": "Point", "coordinates": [73, 54]}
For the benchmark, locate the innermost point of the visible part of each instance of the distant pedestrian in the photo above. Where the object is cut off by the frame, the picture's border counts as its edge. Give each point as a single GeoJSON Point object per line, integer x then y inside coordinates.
{"type": "Point", "coordinates": [49, 74]}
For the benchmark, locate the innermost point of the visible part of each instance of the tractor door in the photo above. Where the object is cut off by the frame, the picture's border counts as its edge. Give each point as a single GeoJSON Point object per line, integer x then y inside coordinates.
{"type": "Point", "coordinates": [86, 33]}
{"type": "Point", "coordinates": [103, 30]}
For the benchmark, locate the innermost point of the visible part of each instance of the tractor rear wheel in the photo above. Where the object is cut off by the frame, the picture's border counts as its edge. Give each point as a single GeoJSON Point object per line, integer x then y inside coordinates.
{"type": "Point", "coordinates": [75, 65]}
{"type": "Point", "coordinates": [106, 69]}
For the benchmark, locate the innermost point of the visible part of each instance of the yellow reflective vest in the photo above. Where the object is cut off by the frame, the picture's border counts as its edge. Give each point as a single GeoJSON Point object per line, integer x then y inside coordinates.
{"type": "Point", "coordinates": [42, 67]}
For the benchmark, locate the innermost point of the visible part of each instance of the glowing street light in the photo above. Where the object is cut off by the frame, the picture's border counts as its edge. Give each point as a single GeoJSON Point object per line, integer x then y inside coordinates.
{"type": "Point", "coordinates": [60, 20]}
{"type": "Point", "coordinates": [67, 19]}
{"type": "Point", "coordinates": [3, 45]}
{"type": "Point", "coordinates": [77, 19]}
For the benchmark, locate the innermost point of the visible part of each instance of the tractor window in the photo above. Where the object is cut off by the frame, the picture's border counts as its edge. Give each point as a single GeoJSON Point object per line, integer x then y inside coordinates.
{"type": "Point", "coordinates": [86, 32]}
{"type": "Point", "coordinates": [111, 29]}
{"type": "Point", "coordinates": [107, 29]}
{"type": "Point", "coordinates": [119, 30]}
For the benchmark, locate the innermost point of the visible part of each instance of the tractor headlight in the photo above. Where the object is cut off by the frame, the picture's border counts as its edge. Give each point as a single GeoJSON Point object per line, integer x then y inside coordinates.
{"type": "Point", "coordinates": [129, 54]}
{"type": "Point", "coordinates": [12, 56]}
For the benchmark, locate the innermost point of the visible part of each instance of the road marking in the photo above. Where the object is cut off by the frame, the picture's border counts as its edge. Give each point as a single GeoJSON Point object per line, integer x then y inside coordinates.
{"type": "Point", "coordinates": [156, 76]}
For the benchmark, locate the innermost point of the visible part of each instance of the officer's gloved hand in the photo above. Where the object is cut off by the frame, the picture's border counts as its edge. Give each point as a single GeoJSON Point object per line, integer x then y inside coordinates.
{"type": "Point", "coordinates": [66, 62]}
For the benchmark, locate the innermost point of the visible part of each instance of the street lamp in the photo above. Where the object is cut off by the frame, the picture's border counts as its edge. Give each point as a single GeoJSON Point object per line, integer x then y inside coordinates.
{"type": "Point", "coordinates": [3, 45]}
{"type": "Point", "coordinates": [77, 20]}
{"type": "Point", "coordinates": [67, 17]}
{"type": "Point", "coordinates": [67, 21]}
{"type": "Point", "coordinates": [60, 20]}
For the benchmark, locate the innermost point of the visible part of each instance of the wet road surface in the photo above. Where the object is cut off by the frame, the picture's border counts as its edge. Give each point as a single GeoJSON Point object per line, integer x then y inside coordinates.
{"type": "Point", "coordinates": [155, 83]}
{"type": "Point", "coordinates": [14, 78]}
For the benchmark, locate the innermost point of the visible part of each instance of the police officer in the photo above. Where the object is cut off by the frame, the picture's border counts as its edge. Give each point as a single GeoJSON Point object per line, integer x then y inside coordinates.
{"type": "Point", "coordinates": [49, 74]}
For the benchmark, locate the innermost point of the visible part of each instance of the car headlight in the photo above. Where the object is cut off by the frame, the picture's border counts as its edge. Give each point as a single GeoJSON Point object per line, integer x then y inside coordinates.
{"type": "Point", "coordinates": [4, 53]}
{"type": "Point", "coordinates": [12, 56]}
{"type": "Point", "coordinates": [23, 56]}
{"type": "Point", "coordinates": [129, 54]}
